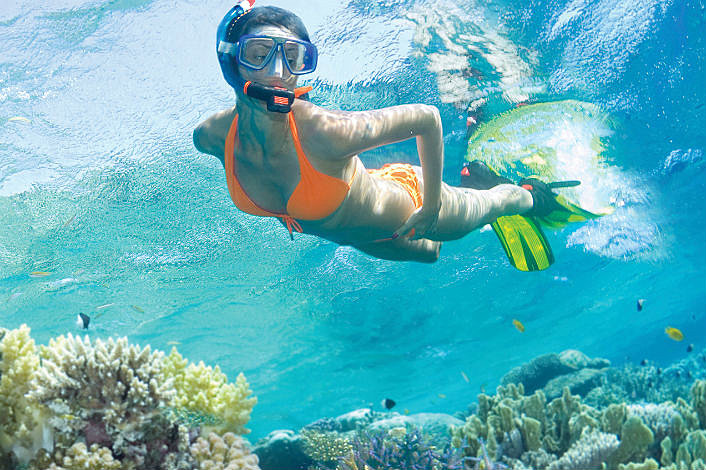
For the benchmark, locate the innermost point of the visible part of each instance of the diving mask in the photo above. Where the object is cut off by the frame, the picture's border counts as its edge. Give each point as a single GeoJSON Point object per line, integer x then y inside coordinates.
{"type": "Point", "coordinates": [255, 52]}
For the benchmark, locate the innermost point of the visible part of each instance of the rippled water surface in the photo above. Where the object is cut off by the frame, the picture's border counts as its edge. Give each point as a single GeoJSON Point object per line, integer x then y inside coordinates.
{"type": "Point", "coordinates": [100, 186]}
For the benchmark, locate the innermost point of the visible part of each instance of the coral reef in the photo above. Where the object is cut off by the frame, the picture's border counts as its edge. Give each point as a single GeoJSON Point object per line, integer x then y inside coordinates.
{"type": "Point", "coordinates": [19, 418]}
{"type": "Point", "coordinates": [229, 452]}
{"type": "Point", "coordinates": [109, 405]}
{"type": "Point", "coordinates": [567, 434]}
{"type": "Point", "coordinates": [326, 447]}
{"type": "Point", "coordinates": [205, 390]}
{"type": "Point", "coordinates": [409, 451]}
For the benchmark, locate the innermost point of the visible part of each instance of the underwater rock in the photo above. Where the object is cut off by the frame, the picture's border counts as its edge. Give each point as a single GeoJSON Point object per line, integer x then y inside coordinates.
{"type": "Point", "coordinates": [541, 370]}
{"type": "Point", "coordinates": [578, 360]}
{"type": "Point", "coordinates": [282, 450]}
{"type": "Point", "coordinates": [580, 382]}
{"type": "Point", "coordinates": [359, 419]}
{"type": "Point", "coordinates": [536, 373]}
{"type": "Point", "coordinates": [436, 426]}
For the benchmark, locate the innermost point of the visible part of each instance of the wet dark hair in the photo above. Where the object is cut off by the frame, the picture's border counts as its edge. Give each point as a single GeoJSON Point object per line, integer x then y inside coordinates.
{"type": "Point", "coordinates": [273, 16]}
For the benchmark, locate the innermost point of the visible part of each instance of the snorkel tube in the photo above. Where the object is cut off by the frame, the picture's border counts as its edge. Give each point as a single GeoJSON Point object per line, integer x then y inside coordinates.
{"type": "Point", "coordinates": [278, 100]}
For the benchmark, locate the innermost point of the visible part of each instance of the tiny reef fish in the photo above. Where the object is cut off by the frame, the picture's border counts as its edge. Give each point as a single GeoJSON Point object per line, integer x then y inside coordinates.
{"type": "Point", "coordinates": [104, 306]}
{"type": "Point", "coordinates": [518, 324]}
{"type": "Point", "coordinates": [18, 119]}
{"type": "Point", "coordinates": [39, 274]}
{"type": "Point", "coordinates": [674, 333]}
{"type": "Point", "coordinates": [82, 321]}
{"type": "Point", "coordinates": [388, 403]}
{"type": "Point", "coordinates": [173, 343]}
{"type": "Point", "coordinates": [441, 395]}
{"type": "Point", "coordinates": [137, 308]}
{"type": "Point", "coordinates": [465, 377]}
{"type": "Point", "coordinates": [640, 303]}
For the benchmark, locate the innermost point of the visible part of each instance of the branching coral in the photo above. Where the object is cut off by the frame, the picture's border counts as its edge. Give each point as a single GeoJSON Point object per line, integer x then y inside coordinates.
{"type": "Point", "coordinates": [206, 390]}
{"type": "Point", "coordinates": [590, 451]}
{"type": "Point", "coordinates": [19, 363]}
{"type": "Point", "coordinates": [325, 447]}
{"type": "Point", "coordinates": [380, 451]}
{"type": "Point", "coordinates": [110, 379]}
{"type": "Point", "coordinates": [229, 452]}
{"type": "Point", "coordinates": [111, 394]}
{"type": "Point", "coordinates": [79, 457]}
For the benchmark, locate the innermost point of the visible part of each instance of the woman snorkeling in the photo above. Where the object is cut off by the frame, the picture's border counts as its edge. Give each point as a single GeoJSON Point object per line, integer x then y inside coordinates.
{"type": "Point", "coordinates": [286, 157]}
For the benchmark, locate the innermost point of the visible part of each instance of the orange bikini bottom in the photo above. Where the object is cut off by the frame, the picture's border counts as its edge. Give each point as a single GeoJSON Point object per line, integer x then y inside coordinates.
{"type": "Point", "coordinates": [405, 176]}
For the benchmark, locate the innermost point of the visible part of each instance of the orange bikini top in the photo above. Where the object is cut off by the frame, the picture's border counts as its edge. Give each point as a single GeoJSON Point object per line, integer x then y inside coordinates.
{"type": "Point", "coordinates": [316, 196]}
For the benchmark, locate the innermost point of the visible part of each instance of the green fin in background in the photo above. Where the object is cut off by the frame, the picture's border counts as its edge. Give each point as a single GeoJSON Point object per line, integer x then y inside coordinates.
{"type": "Point", "coordinates": [524, 242]}
{"type": "Point", "coordinates": [566, 213]}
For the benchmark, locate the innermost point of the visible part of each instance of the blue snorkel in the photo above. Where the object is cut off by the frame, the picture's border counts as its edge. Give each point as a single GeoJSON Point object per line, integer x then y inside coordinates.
{"type": "Point", "coordinates": [278, 100]}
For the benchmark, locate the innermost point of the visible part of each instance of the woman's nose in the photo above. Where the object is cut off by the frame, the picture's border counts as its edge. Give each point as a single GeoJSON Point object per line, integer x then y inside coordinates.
{"type": "Point", "coordinates": [276, 66]}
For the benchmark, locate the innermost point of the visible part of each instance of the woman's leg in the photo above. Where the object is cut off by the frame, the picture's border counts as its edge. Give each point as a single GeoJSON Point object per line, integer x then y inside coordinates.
{"type": "Point", "coordinates": [464, 209]}
{"type": "Point", "coordinates": [403, 249]}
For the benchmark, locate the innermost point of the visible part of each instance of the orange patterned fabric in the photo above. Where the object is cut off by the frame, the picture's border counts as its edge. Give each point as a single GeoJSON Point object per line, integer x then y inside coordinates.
{"type": "Point", "coordinates": [405, 176]}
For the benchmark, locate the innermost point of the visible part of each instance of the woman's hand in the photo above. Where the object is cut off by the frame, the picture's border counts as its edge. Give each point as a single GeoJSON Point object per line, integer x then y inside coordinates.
{"type": "Point", "coordinates": [420, 223]}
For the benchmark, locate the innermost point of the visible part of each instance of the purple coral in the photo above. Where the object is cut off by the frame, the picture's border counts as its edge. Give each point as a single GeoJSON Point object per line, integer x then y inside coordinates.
{"type": "Point", "coordinates": [484, 462]}
{"type": "Point", "coordinates": [379, 451]}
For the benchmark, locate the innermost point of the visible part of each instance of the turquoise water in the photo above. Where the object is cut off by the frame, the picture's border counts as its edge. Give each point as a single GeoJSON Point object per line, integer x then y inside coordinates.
{"type": "Point", "coordinates": [101, 187]}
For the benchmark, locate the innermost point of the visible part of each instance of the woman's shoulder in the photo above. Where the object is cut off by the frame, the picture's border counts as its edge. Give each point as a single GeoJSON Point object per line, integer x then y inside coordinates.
{"type": "Point", "coordinates": [210, 136]}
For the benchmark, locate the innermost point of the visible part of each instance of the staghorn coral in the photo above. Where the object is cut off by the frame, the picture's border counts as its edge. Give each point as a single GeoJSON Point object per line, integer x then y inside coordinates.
{"type": "Point", "coordinates": [206, 391]}
{"type": "Point", "coordinates": [590, 451]}
{"type": "Point", "coordinates": [325, 446]}
{"type": "Point", "coordinates": [20, 417]}
{"type": "Point", "coordinates": [659, 418]}
{"type": "Point", "coordinates": [111, 379]}
{"type": "Point", "coordinates": [380, 451]}
{"type": "Point", "coordinates": [112, 395]}
{"type": "Point", "coordinates": [79, 457]}
{"type": "Point", "coordinates": [551, 432]}
{"type": "Point", "coordinates": [229, 452]}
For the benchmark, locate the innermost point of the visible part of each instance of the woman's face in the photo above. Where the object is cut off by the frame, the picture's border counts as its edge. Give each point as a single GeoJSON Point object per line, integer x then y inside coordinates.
{"type": "Point", "coordinates": [275, 73]}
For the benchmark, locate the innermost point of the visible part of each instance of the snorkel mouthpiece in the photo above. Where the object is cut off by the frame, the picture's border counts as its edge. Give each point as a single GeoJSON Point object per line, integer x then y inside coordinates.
{"type": "Point", "coordinates": [279, 100]}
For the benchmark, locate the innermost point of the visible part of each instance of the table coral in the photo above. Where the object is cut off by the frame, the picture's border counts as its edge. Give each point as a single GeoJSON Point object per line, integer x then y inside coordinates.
{"type": "Point", "coordinates": [206, 390]}
{"type": "Point", "coordinates": [229, 452]}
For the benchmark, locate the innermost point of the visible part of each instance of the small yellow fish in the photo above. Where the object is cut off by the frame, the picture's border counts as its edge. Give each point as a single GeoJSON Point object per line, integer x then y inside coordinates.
{"type": "Point", "coordinates": [465, 377]}
{"type": "Point", "coordinates": [173, 343]}
{"type": "Point", "coordinates": [137, 309]}
{"type": "Point", "coordinates": [441, 395]}
{"type": "Point", "coordinates": [39, 274]}
{"type": "Point", "coordinates": [68, 222]}
{"type": "Point", "coordinates": [406, 411]}
{"type": "Point", "coordinates": [674, 333]}
{"type": "Point", "coordinates": [518, 324]}
{"type": "Point", "coordinates": [19, 118]}
{"type": "Point", "coordinates": [482, 388]}
{"type": "Point", "coordinates": [68, 417]}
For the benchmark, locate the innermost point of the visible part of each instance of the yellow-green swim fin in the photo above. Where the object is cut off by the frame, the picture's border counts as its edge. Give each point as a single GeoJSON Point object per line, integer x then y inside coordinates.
{"type": "Point", "coordinates": [524, 242]}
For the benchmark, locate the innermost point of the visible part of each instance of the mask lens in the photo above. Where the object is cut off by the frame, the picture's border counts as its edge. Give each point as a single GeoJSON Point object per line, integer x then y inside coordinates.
{"type": "Point", "coordinates": [255, 52]}
{"type": "Point", "coordinates": [295, 54]}
{"type": "Point", "coordinates": [301, 56]}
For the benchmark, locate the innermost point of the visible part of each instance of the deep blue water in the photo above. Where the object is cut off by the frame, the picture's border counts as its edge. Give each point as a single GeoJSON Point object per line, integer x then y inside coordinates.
{"type": "Point", "coordinates": [101, 186]}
